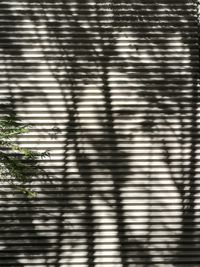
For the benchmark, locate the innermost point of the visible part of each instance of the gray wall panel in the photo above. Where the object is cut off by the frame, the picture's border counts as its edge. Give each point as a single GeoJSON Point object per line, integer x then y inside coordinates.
{"type": "Point", "coordinates": [111, 89]}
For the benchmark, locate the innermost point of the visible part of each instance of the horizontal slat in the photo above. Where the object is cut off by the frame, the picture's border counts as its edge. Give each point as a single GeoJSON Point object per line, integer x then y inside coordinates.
{"type": "Point", "coordinates": [111, 90]}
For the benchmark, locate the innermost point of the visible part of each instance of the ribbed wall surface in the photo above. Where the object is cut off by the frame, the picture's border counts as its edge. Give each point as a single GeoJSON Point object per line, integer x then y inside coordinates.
{"type": "Point", "coordinates": [110, 87]}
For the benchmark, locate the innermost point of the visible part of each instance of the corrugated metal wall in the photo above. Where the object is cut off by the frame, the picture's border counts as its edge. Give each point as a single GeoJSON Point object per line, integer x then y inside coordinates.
{"type": "Point", "coordinates": [110, 87]}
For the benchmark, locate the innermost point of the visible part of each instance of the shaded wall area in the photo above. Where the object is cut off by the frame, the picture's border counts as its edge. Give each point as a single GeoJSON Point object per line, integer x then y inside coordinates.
{"type": "Point", "coordinates": [111, 89]}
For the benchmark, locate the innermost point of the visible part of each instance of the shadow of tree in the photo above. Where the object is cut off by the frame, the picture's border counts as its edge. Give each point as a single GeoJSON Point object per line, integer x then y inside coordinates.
{"type": "Point", "coordinates": [111, 88]}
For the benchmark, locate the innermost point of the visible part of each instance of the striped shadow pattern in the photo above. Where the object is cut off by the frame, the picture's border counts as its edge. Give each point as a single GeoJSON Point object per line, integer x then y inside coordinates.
{"type": "Point", "coordinates": [111, 89]}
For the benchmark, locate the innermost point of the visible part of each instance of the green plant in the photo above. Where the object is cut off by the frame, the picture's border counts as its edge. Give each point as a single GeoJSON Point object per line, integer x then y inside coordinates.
{"type": "Point", "coordinates": [15, 160]}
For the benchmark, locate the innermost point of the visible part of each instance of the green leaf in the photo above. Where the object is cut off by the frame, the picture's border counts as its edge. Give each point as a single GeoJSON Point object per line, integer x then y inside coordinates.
{"type": "Point", "coordinates": [14, 160]}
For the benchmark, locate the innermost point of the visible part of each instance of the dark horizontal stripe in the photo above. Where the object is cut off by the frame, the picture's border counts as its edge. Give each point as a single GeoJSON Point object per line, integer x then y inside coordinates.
{"type": "Point", "coordinates": [99, 15]}
{"type": "Point", "coordinates": [82, 186]}
{"type": "Point", "coordinates": [127, 6]}
{"type": "Point", "coordinates": [101, 105]}
{"type": "Point", "coordinates": [109, 263]}
{"type": "Point", "coordinates": [104, 16]}
{"type": "Point", "coordinates": [98, 255]}
{"type": "Point", "coordinates": [97, 207]}
{"type": "Point", "coordinates": [110, 144]}
{"type": "Point", "coordinates": [66, 189]}
{"type": "Point", "coordinates": [15, 73]}
{"type": "Point", "coordinates": [56, 133]}
{"type": "Point", "coordinates": [108, 163]}
{"type": "Point", "coordinates": [52, 25]}
{"type": "Point", "coordinates": [83, 191]}
{"type": "Point", "coordinates": [86, 229]}
{"type": "Point", "coordinates": [87, 216]}
{"type": "Point", "coordinates": [165, 26]}
{"type": "Point", "coordinates": [125, 43]}
{"type": "Point", "coordinates": [89, 66]}
{"type": "Point", "coordinates": [63, 220]}
{"type": "Point", "coordinates": [98, 234]}
{"type": "Point", "coordinates": [77, 83]}
{"type": "Point", "coordinates": [82, 62]}
{"type": "Point", "coordinates": [80, 79]}
{"type": "Point", "coordinates": [23, 32]}
{"type": "Point", "coordinates": [106, 124]}
{"type": "Point", "coordinates": [96, 9]}
{"type": "Point", "coordinates": [55, 249]}
{"type": "Point", "coordinates": [127, 151]}
{"type": "Point", "coordinates": [156, 114]}
{"type": "Point", "coordinates": [98, 224]}
{"type": "Point", "coordinates": [64, 170]}
{"type": "Point", "coordinates": [51, 56]}
{"type": "Point", "coordinates": [126, 246]}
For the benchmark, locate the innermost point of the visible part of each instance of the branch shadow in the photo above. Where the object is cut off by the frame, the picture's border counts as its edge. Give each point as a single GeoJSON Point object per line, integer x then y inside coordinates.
{"type": "Point", "coordinates": [128, 136]}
